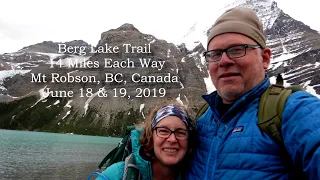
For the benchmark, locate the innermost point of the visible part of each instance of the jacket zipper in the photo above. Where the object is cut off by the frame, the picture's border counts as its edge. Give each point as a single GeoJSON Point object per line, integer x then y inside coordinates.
{"type": "Point", "coordinates": [215, 157]}
{"type": "Point", "coordinates": [211, 147]}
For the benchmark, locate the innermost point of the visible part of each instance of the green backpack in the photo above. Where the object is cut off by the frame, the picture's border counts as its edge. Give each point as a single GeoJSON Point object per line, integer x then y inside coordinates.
{"type": "Point", "coordinates": [271, 106]}
{"type": "Point", "coordinates": [123, 152]}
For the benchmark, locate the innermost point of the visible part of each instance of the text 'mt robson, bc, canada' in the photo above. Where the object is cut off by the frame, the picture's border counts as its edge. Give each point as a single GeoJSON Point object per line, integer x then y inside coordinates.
{"type": "Point", "coordinates": [74, 63]}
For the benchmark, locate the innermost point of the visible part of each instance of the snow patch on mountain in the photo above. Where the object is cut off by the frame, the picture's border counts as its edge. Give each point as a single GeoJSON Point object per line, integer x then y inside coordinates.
{"type": "Point", "coordinates": [9, 74]}
{"type": "Point", "coordinates": [68, 104]}
{"type": "Point", "coordinates": [310, 89]}
{"type": "Point", "coordinates": [51, 55]}
{"type": "Point", "coordinates": [262, 8]}
{"type": "Point", "coordinates": [298, 70]}
{"type": "Point", "coordinates": [306, 85]}
{"type": "Point", "coordinates": [267, 11]}
{"type": "Point", "coordinates": [86, 104]}
{"type": "Point", "coordinates": [69, 112]}
{"type": "Point", "coordinates": [196, 34]}
{"type": "Point", "coordinates": [209, 85]}
{"type": "Point", "coordinates": [141, 110]}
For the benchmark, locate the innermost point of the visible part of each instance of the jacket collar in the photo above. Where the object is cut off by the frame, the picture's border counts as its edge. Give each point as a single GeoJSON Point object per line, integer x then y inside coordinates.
{"type": "Point", "coordinates": [143, 165]}
{"type": "Point", "coordinates": [213, 99]}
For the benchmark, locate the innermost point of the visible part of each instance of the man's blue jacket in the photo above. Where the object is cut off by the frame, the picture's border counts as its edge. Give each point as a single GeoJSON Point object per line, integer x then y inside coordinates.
{"type": "Point", "coordinates": [233, 147]}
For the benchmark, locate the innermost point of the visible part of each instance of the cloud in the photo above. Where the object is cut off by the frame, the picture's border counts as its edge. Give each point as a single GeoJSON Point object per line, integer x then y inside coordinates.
{"type": "Point", "coordinates": [28, 22]}
{"type": "Point", "coordinates": [35, 21]}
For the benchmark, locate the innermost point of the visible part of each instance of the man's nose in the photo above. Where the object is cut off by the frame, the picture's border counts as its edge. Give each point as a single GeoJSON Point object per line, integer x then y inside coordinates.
{"type": "Point", "coordinates": [225, 60]}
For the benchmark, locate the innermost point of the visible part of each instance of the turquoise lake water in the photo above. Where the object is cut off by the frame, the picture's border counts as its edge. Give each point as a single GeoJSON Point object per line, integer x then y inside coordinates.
{"type": "Point", "coordinates": [37, 155]}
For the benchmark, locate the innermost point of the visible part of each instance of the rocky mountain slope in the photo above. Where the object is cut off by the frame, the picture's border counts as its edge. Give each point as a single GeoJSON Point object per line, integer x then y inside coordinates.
{"type": "Point", "coordinates": [76, 87]}
{"type": "Point", "coordinates": [295, 46]}
{"type": "Point", "coordinates": [118, 81]}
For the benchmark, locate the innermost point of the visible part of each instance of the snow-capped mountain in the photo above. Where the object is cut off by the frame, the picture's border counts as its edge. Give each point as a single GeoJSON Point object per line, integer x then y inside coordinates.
{"type": "Point", "coordinates": [296, 55]}
{"type": "Point", "coordinates": [295, 46]}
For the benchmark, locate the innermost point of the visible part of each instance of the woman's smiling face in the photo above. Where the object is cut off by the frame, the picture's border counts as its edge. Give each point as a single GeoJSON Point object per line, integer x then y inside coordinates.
{"type": "Point", "coordinates": [170, 151]}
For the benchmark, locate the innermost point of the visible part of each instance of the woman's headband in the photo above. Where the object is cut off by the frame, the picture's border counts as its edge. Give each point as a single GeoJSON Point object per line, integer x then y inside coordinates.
{"type": "Point", "coordinates": [171, 110]}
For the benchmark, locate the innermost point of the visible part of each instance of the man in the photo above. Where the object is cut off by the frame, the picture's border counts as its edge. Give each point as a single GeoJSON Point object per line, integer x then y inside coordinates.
{"type": "Point", "coordinates": [231, 145]}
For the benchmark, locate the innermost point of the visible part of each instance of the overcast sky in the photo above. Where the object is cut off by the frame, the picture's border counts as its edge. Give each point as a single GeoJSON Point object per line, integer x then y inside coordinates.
{"type": "Point", "coordinates": [26, 22]}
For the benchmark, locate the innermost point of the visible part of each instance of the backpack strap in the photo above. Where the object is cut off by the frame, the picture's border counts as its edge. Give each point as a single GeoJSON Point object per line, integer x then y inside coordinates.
{"type": "Point", "coordinates": [271, 106]}
{"type": "Point", "coordinates": [120, 152]}
{"type": "Point", "coordinates": [202, 109]}
{"type": "Point", "coordinates": [131, 171]}
{"type": "Point", "coordinates": [109, 156]}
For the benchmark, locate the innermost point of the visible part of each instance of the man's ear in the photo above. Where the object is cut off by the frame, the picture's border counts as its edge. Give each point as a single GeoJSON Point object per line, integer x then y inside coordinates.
{"type": "Point", "coordinates": [266, 55]}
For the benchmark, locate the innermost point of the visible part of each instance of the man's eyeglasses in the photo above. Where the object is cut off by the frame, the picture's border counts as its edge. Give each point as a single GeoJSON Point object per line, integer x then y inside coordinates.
{"type": "Point", "coordinates": [232, 52]}
{"type": "Point", "coordinates": [164, 132]}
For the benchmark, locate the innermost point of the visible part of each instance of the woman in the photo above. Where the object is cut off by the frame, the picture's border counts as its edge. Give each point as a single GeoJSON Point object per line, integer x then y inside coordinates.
{"type": "Point", "coordinates": [163, 147]}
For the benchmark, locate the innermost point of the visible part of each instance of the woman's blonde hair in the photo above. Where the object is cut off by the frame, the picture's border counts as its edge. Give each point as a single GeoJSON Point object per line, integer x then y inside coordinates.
{"type": "Point", "coordinates": [146, 138]}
